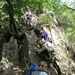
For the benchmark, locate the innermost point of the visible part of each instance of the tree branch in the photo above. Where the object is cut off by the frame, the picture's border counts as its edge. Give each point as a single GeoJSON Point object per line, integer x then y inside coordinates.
{"type": "Point", "coordinates": [68, 7]}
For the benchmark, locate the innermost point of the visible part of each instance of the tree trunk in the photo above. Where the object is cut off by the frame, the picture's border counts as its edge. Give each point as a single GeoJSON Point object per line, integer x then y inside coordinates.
{"type": "Point", "coordinates": [11, 15]}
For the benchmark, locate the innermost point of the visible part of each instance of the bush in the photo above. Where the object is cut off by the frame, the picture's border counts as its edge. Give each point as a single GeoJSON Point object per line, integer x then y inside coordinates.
{"type": "Point", "coordinates": [44, 18]}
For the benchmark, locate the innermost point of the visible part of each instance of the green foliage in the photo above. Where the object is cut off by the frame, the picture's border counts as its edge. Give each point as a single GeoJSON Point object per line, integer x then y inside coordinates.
{"type": "Point", "coordinates": [1, 32]}
{"type": "Point", "coordinates": [2, 13]}
{"type": "Point", "coordinates": [4, 31]}
{"type": "Point", "coordinates": [44, 18]}
{"type": "Point", "coordinates": [70, 33]}
{"type": "Point", "coordinates": [21, 30]}
{"type": "Point", "coordinates": [65, 13]}
{"type": "Point", "coordinates": [8, 30]}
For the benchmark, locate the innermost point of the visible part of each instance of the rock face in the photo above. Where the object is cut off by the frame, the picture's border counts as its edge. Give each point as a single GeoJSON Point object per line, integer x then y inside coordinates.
{"type": "Point", "coordinates": [29, 21]}
{"type": "Point", "coordinates": [12, 53]}
{"type": "Point", "coordinates": [63, 54]}
{"type": "Point", "coordinates": [9, 55]}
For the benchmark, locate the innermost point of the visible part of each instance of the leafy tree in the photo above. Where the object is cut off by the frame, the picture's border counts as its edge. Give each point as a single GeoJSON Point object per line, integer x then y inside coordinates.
{"type": "Point", "coordinates": [13, 9]}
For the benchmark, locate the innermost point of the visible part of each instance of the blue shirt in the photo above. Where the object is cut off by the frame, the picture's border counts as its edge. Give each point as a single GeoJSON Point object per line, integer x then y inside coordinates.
{"type": "Point", "coordinates": [44, 34]}
{"type": "Point", "coordinates": [43, 73]}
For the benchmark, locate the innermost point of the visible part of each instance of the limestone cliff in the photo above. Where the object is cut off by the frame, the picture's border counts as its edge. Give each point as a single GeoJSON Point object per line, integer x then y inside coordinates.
{"type": "Point", "coordinates": [17, 56]}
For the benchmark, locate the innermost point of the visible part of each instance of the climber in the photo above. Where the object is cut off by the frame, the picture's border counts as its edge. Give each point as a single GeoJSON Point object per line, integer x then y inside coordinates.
{"type": "Point", "coordinates": [49, 38]}
{"type": "Point", "coordinates": [44, 34]}
{"type": "Point", "coordinates": [44, 43]}
{"type": "Point", "coordinates": [39, 69]}
{"type": "Point", "coordinates": [30, 13]}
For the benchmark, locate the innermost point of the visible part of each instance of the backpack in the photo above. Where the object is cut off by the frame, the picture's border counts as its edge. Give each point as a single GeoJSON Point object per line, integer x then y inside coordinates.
{"type": "Point", "coordinates": [33, 68]}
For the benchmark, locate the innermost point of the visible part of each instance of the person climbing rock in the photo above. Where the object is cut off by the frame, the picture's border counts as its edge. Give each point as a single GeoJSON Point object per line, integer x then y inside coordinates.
{"type": "Point", "coordinates": [44, 34]}
{"type": "Point", "coordinates": [44, 44]}
{"type": "Point", "coordinates": [40, 69]}
{"type": "Point", "coordinates": [30, 13]}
